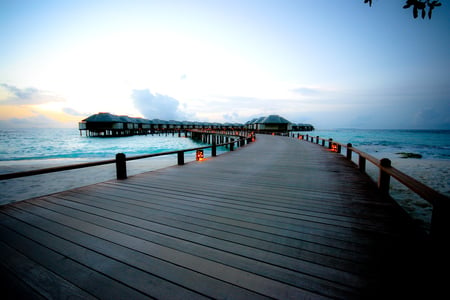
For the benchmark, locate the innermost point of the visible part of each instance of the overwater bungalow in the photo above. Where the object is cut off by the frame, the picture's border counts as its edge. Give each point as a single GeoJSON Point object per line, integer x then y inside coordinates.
{"type": "Point", "coordinates": [302, 127]}
{"type": "Point", "coordinates": [108, 125]}
{"type": "Point", "coordinates": [275, 124]}
{"type": "Point", "coordinates": [272, 123]}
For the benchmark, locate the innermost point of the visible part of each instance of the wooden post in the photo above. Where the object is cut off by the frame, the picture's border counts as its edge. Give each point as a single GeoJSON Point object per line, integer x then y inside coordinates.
{"type": "Point", "coordinates": [384, 178]}
{"type": "Point", "coordinates": [180, 158]}
{"type": "Point", "coordinates": [349, 151]}
{"type": "Point", "coordinates": [214, 148]}
{"type": "Point", "coordinates": [330, 143]}
{"type": "Point", "coordinates": [317, 139]}
{"type": "Point", "coordinates": [121, 166]}
{"type": "Point", "coordinates": [232, 145]}
{"type": "Point", "coordinates": [440, 225]}
{"type": "Point", "coordinates": [339, 148]}
{"type": "Point", "coordinates": [362, 163]}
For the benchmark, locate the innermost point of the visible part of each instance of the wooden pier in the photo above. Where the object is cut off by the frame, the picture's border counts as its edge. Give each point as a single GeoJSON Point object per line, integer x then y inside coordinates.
{"type": "Point", "coordinates": [279, 218]}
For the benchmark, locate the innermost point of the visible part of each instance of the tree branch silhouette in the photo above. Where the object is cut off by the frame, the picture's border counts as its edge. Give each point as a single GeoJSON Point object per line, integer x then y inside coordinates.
{"type": "Point", "coordinates": [418, 5]}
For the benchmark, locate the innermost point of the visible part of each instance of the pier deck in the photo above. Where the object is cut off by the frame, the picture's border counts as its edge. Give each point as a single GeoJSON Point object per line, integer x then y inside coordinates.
{"type": "Point", "coordinates": [280, 218]}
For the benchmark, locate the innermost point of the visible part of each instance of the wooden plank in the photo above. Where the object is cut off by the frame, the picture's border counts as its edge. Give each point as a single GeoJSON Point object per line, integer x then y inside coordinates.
{"type": "Point", "coordinates": [12, 287]}
{"type": "Point", "coordinates": [264, 206]}
{"type": "Point", "coordinates": [318, 235]}
{"type": "Point", "coordinates": [237, 270]}
{"type": "Point", "coordinates": [35, 277]}
{"type": "Point", "coordinates": [316, 252]}
{"type": "Point", "coordinates": [308, 243]}
{"type": "Point", "coordinates": [95, 283]}
{"type": "Point", "coordinates": [330, 227]}
{"type": "Point", "coordinates": [126, 280]}
{"type": "Point", "coordinates": [169, 236]}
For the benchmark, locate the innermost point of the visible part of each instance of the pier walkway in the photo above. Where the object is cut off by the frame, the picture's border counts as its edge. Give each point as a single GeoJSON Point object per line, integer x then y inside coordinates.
{"type": "Point", "coordinates": [279, 218]}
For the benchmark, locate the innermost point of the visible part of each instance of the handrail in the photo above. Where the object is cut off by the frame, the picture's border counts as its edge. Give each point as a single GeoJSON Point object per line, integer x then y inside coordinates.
{"type": "Point", "coordinates": [55, 169]}
{"type": "Point", "coordinates": [109, 161]}
{"type": "Point", "coordinates": [440, 223]}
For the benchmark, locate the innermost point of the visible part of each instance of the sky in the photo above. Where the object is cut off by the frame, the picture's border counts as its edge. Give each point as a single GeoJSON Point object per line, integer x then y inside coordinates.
{"type": "Point", "coordinates": [333, 64]}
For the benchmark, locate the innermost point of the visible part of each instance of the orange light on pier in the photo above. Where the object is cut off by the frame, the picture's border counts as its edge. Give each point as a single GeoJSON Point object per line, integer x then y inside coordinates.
{"type": "Point", "coordinates": [199, 155]}
{"type": "Point", "coordinates": [334, 147]}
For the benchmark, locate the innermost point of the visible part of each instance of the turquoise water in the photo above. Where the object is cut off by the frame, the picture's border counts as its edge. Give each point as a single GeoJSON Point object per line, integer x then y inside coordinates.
{"type": "Point", "coordinates": [45, 144]}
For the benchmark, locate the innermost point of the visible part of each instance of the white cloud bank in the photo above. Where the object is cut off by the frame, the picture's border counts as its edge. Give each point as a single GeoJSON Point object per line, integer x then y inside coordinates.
{"type": "Point", "coordinates": [157, 106]}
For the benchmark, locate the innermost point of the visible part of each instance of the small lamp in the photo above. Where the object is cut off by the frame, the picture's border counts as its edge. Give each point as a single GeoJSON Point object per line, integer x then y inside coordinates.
{"type": "Point", "coordinates": [199, 155]}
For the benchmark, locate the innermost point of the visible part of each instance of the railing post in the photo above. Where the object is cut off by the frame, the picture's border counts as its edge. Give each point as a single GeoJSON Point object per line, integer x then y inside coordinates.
{"type": "Point", "coordinates": [180, 158]}
{"type": "Point", "coordinates": [121, 166]}
{"type": "Point", "coordinates": [362, 164]}
{"type": "Point", "coordinates": [349, 151]}
{"type": "Point", "coordinates": [317, 139]}
{"type": "Point", "coordinates": [330, 143]}
{"type": "Point", "coordinates": [232, 145]}
{"type": "Point", "coordinates": [339, 148]}
{"type": "Point", "coordinates": [214, 148]}
{"type": "Point", "coordinates": [384, 178]}
{"type": "Point", "coordinates": [440, 225]}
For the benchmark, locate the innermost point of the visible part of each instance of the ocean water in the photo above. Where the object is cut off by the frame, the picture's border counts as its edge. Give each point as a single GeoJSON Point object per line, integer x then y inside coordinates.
{"type": "Point", "coordinates": [430, 144]}
{"type": "Point", "coordinates": [67, 144]}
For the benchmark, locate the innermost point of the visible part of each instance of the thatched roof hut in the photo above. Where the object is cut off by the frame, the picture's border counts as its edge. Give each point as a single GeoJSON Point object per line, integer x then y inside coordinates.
{"type": "Point", "coordinates": [106, 124]}
{"type": "Point", "coordinates": [102, 121]}
{"type": "Point", "coordinates": [272, 123]}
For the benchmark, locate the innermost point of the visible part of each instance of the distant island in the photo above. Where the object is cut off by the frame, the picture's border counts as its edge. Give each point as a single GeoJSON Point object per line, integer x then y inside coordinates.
{"type": "Point", "coordinates": [109, 125]}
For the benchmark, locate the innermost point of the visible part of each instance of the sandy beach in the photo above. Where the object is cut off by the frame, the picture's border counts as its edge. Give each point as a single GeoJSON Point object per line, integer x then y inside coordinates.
{"type": "Point", "coordinates": [433, 173]}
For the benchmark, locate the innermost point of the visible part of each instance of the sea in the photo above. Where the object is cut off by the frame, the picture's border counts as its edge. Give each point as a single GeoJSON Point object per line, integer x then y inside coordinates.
{"type": "Point", "coordinates": [429, 144]}
{"type": "Point", "coordinates": [22, 149]}
{"type": "Point", "coordinates": [67, 144]}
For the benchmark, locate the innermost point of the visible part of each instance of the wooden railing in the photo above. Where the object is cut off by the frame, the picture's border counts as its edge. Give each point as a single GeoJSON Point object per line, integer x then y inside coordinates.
{"type": "Point", "coordinates": [440, 223]}
{"type": "Point", "coordinates": [121, 159]}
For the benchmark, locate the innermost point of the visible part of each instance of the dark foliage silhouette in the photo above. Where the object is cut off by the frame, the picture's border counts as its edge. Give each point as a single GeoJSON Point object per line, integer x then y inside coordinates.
{"type": "Point", "coordinates": [418, 6]}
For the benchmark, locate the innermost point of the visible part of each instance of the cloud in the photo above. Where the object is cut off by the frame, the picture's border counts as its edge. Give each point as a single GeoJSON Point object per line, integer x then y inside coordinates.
{"type": "Point", "coordinates": [231, 117]}
{"type": "Point", "coordinates": [38, 121]}
{"type": "Point", "coordinates": [157, 106]}
{"type": "Point", "coordinates": [25, 96]}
